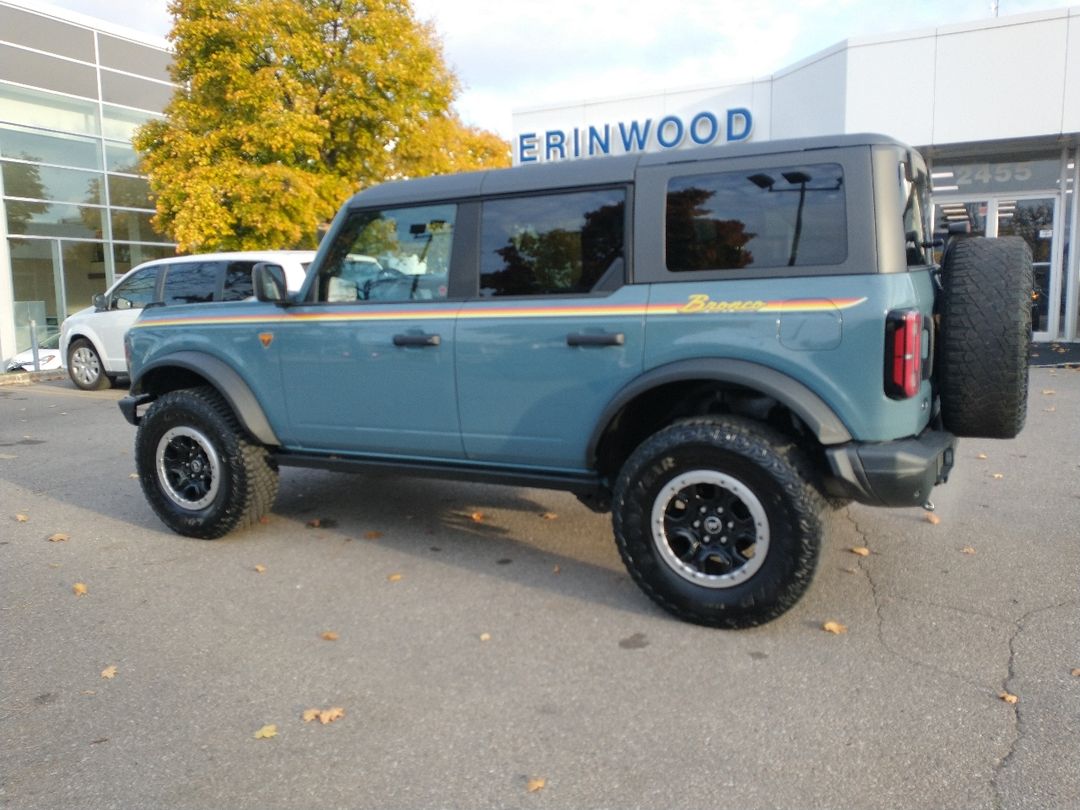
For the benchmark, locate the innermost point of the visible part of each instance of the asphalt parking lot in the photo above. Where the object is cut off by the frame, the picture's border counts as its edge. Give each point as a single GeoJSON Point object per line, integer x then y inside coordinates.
{"type": "Point", "coordinates": [488, 650]}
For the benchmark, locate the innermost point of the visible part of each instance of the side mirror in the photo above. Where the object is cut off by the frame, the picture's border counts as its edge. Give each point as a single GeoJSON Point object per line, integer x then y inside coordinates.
{"type": "Point", "coordinates": [269, 283]}
{"type": "Point", "coordinates": [122, 303]}
{"type": "Point", "coordinates": [99, 302]}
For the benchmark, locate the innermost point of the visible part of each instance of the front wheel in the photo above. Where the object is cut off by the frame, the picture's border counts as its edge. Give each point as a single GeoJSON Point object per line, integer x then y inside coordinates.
{"type": "Point", "coordinates": [717, 521]}
{"type": "Point", "coordinates": [199, 472]}
{"type": "Point", "coordinates": [85, 367]}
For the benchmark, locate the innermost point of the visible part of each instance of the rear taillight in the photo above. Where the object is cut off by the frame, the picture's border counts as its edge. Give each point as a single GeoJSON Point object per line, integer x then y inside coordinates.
{"type": "Point", "coordinates": [903, 353]}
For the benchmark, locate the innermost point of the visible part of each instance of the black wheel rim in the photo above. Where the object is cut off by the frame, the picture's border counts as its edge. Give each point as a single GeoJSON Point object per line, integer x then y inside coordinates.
{"type": "Point", "coordinates": [188, 468]}
{"type": "Point", "coordinates": [710, 528]}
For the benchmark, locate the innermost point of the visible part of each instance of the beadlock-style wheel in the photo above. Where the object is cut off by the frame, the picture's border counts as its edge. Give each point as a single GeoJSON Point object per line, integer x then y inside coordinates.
{"type": "Point", "coordinates": [188, 467]}
{"type": "Point", "coordinates": [710, 528]}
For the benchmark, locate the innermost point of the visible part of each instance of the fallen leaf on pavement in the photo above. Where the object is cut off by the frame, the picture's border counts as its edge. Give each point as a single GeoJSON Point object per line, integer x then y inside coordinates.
{"type": "Point", "coordinates": [324, 716]}
{"type": "Point", "coordinates": [998, 476]}
{"type": "Point", "coordinates": [1051, 409]}
{"type": "Point", "coordinates": [372, 535]}
{"type": "Point", "coordinates": [314, 523]}
{"type": "Point", "coordinates": [1076, 672]}
{"type": "Point", "coordinates": [932, 518]}
{"type": "Point", "coordinates": [477, 517]}
{"type": "Point", "coordinates": [266, 732]}
{"type": "Point", "coordinates": [549, 516]}
{"type": "Point", "coordinates": [982, 456]}
{"type": "Point", "coordinates": [109, 672]}
{"type": "Point", "coordinates": [556, 570]}
{"type": "Point", "coordinates": [79, 589]}
{"type": "Point", "coordinates": [22, 518]}
{"type": "Point", "coordinates": [485, 636]}
{"type": "Point", "coordinates": [967, 550]}
{"type": "Point", "coordinates": [394, 578]}
{"type": "Point", "coordinates": [536, 785]}
{"type": "Point", "coordinates": [260, 569]}
{"type": "Point", "coordinates": [133, 475]}
{"type": "Point", "coordinates": [1009, 698]}
{"type": "Point", "coordinates": [329, 635]}
{"type": "Point", "coordinates": [834, 627]}
{"type": "Point", "coordinates": [59, 537]}
{"type": "Point", "coordinates": [1049, 392]}
{"type": "Point", "coordinates": [862, 551]}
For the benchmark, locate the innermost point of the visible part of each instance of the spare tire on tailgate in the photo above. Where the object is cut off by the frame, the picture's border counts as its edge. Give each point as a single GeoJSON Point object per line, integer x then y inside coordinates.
{"type": "Point", "coordinates": [985, 336]}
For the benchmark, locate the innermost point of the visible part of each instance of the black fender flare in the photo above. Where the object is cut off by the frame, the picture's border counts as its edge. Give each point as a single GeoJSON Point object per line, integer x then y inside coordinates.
{"type": "Point", "coordinates": [226, 380]}
{"type": "Point", "coordinates": [809, 407]}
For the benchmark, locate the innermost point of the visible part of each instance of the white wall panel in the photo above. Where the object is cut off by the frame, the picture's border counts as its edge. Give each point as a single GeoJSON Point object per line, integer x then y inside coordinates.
{"type": "Point", "coordinates": [889, 89]}
{"type": "Point", "coordinates": [1070, 114]}
{"type": "Point", "coordinates": [1002, 82]}
{"type": "Point", "coordinates": [810, 99]}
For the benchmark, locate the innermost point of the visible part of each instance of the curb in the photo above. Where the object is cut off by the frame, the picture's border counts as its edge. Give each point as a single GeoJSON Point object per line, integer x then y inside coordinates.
{"type": "Point", "coordinates": [31, 377]}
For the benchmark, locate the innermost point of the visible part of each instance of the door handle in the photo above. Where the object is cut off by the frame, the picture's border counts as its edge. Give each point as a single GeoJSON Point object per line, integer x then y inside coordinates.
{"type": "Point", "coordinates": [417, 340]}
{"type": "Point", "coordinates": [592, 339]}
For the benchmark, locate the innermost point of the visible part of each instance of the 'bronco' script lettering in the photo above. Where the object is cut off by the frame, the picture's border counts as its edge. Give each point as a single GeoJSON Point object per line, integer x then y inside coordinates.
{"type": "Point", "coordinates": [702, 303]}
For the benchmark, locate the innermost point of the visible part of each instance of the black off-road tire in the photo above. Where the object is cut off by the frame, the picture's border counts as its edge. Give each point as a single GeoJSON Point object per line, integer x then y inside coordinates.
{"type": "Point", "coordinates": [199, 471]}
{"type": "Point", "coordinates": [985, 338]}
{"type": "Point", "coordinates": [754, 549]}
{"type": "Point", "coordinates": [85, 367]}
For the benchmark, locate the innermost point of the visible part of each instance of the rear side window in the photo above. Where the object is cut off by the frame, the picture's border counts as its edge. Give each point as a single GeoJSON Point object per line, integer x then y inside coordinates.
{"type": "Point", "coordinates": [190, 282]}
{"type": "Point", "coordinates": [553, 244]}
{"type": "Point", "coordinates": [792, 216]}
{"type": "Point", "coordinates": [238, 284]}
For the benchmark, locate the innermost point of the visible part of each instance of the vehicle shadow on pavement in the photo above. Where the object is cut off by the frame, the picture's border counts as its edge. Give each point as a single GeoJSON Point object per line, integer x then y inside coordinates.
{"type": "Point", "coordinates": [534, 538]}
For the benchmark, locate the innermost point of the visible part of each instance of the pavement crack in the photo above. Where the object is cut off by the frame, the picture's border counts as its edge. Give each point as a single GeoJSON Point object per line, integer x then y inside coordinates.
{"type": "Point", "coordinates": [1018, 725]}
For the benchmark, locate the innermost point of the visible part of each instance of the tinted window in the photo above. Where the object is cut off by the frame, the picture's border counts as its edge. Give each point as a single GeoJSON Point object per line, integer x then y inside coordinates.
{"type": "Point", "coordinates": [400, 254]}
{"type": "Point", "coordinates": [191, 283]}
{"type": "Point", "coordinates": [137, 289]}
{"type": "Point", "coordinates": [551, 244]}
{"type": "Point", "coordinates": [792, 216]}
{"type": "Point", "coordinates": [238, 284]}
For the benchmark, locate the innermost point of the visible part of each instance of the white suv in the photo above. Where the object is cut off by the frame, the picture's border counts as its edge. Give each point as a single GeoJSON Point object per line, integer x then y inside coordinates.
{"type": "Point", "coordinates": [92, 340]}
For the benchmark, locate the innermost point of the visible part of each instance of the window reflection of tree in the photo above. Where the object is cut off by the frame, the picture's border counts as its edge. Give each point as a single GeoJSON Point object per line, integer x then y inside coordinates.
{"type": "Point", "coordinates": [560, 260]}
{"type": "Point", "coordinates": [697, 242]}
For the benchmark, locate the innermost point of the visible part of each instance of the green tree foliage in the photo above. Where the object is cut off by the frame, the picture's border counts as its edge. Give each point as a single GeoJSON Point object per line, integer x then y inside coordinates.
{"type": "Point", "coordinates": [287, 107]}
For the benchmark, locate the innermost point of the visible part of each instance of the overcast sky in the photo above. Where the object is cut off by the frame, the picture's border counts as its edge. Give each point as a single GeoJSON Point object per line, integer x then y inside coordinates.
{"type": "Point", "coordinates": [511, 55]}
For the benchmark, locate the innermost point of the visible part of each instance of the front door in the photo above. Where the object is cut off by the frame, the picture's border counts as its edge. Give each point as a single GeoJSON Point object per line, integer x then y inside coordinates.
{"type": "Point", "coordinates": [1032, 218]}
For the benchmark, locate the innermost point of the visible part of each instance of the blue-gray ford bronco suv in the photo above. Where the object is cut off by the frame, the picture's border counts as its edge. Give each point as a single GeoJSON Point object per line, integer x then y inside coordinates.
{"type": "Point", "coordinates": [715, 345]}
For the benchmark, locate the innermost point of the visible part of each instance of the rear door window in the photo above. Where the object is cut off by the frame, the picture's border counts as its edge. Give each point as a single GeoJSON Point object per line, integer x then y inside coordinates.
{"type": "Point", "coordinates": [552, 244]}
{"type": "Point", "coordinates": [238, 284]}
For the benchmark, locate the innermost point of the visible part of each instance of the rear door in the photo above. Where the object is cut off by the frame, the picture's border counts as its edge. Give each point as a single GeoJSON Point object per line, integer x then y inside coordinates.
{"type": "Point", "coordinates": [552, 332]}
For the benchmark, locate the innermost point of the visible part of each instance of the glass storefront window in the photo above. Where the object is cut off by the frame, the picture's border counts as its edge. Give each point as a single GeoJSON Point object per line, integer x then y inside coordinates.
{"type": "Point", "coordinates": [1026, 173]}
{"type": "Point", "coordinates": [120, 124]}
{"type": "Point", "coordinates": [84, 273]}
{"type": "Point", "coordinates": [57, 148]}
{"type": "Point", "coordinates": [120, 157]}
{"type": "Point", "coordinates": [127, 256]}
{"type": "Point", "coordinates": [134, 226]}
{"type": "Point", "coordinates": [55, 219]}
{"type": "Point", "coordinates": [32, 277]}
{"type": "Point", "coordinates": [51, 183]}
{"type": "Point", "coordinates": [47, 110]}
{"type": "Point", "coordinates": [129, 192]}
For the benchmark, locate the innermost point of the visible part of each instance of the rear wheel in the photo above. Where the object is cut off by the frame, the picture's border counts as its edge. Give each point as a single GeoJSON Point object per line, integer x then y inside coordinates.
{"type": "Point", "coordinates": [716, 523]}
{"type": "Point", "coordinates": [985, 337]}
{"type": "Point", "coordinates": [199, 472]}
{"type": "Point", "coordinates": [85, 367]}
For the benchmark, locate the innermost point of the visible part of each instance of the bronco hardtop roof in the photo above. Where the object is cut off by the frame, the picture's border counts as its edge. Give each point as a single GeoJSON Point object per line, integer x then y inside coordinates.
{"type": "Point", "coordinates": [587, 172]}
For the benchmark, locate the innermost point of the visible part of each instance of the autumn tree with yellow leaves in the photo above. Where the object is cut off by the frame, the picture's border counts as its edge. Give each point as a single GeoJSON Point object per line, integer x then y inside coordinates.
{"type": "Point", "coordinates": [286, 107]}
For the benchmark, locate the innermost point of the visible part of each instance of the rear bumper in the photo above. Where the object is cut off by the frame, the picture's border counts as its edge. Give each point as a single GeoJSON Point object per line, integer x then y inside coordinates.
{"type": "Point", "coordinates": [899, 473]}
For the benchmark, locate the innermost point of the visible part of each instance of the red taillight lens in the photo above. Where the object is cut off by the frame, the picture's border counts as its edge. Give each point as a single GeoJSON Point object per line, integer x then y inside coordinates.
{"type": "Point", "coordinates": [903, 353]}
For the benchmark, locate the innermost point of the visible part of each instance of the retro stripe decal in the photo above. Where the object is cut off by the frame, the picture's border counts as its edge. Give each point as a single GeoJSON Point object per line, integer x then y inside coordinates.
{"type": "Point", "coordinates": [695, 304]}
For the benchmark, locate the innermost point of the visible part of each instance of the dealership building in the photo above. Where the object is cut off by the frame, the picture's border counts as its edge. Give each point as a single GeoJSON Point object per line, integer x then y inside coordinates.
{"type": "Point", "coordinates": [994, 106]}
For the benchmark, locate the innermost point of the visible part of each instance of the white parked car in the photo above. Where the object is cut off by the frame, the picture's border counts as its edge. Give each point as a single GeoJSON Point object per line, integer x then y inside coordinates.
{"type": "Point", "coordinates": [50, 357]}
{"type": "Point", "coordinates": [92, 340]}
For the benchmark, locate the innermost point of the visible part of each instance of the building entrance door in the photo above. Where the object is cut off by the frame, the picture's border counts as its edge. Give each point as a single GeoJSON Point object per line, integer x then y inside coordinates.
{"type": "Point", "coordinates": [1034, 219]}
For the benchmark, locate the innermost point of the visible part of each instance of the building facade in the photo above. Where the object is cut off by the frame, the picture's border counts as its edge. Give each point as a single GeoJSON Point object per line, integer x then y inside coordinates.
{"type": "Point", "coordinates": [994, 106]}
{"type": "Point", "coordinates": [74, 211]}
